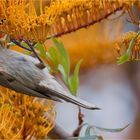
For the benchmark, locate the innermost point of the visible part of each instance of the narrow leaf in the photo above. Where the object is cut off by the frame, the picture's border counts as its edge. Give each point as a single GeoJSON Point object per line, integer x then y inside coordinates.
{"type": "Point", "coordinates": [83, 138]}
{"type": "Point", "coordinates": [74, 80]}
{"type": "Point", "coordinates": [126, 56]}
{"type": "Point", "coordinates": [64, 57]}
{"type": "Point", "coordinates": [24, 44]}
{"type": "Point", "coordinates": [88, 131]}
{"type": "Point", "coordinates": [111, 130]}
{"type": "Point", "coordinates": [62, 71]}
{"type": "Point", "coordinates": [41, 49]}
{"type": "Point", "coordinates": [52, 54]}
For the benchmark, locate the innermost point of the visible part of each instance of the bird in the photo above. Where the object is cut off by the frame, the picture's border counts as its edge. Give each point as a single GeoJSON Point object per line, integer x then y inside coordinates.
{"type": "Point", "coordinates": [20, 73]}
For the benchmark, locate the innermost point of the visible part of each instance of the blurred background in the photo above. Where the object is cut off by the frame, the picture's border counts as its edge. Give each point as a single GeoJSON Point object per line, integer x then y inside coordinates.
{"type": "Point", "coordinates": [114, 88]}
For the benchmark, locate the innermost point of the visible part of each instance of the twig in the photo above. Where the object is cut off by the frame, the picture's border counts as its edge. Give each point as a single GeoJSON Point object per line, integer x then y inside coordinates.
{"type": "Point", "coordinates": [41, 65]}
{"type": "Point", "coordinates": [80, 116]}
{"type": "Point", "coordinates": [77, 131]}
{"type": "Point", "coordinates": [33, 50]}
{"type": "Point", "coordinates": [19, 44]}
{"type": "Point", "coordinates": [59, 133]}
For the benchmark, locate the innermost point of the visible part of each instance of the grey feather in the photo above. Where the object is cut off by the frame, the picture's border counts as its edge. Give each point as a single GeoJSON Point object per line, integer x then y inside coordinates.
{"type": "Point", "coordinates": [20, 73]}
{"type": "Point", "coordinates": [10, 82]}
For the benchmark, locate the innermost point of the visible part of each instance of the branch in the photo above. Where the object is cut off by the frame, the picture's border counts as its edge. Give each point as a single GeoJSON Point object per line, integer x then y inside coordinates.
{"type": "Point", "coordinates": [19, 44]}
{"type": "Point", "coordinates": [77, 131]}
{"type": "Point", "coordinates": [34, 52]}
{"type": "Point", "coordinates": [59, 133]}
{"type": "Point", "coordinates": [59, 34]}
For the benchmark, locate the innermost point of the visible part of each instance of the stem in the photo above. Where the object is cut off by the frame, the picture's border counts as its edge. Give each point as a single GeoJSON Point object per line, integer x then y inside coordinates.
{"type": "Point", "coordinates": [59, 133]}
{"type": "Point", "coordinates": [33, 50]}
{"type": "Point", "coordinates": [77, 131]}
{"type": "Point", "coordinates": [80, 116]}
{"type": "Point", "coordinates": [19, 44]}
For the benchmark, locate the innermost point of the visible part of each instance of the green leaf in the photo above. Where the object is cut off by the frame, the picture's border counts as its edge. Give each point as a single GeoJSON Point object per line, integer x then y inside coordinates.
{"type": "Point", "coordinates": [124, 58]}
{"type": "Point", "coordinates": [27, 52]}
{"type": "Point", "coordinates": [59, 56]}
{"type": "Point", "coordinates": [62, 71]}
{"type": "Point", "coordinates": [83, 138]}
{"type": "Point", "coordinates": [52, 54]}
{"type": "Point", "coordinates": [64, 57]}
{"type": "Point", "coordinates": [74, 80]}
{"type": "Point", "coordinates": [88, 131]}
{"type": "Point", "coordinates": [111, 130]}
{"type": "Point", "coordinates": [41, 49]}
{"type": "Point", "coordinates": [24, 44]}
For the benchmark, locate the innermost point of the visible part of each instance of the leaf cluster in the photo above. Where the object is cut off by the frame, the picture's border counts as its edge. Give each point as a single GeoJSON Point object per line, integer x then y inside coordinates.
{"type": "Point", "coordinates": [91, 134]}
{"type": "Point", "coordinates": [59, 57]}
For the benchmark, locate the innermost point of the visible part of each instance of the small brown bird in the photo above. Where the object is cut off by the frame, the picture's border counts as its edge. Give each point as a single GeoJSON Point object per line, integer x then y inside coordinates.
{"type": "Point", "coordinates": [20, 73]}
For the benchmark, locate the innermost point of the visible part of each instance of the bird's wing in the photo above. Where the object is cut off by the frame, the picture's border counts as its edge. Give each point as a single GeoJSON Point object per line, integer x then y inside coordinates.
{"type": "Point", "coordinates": [10, 82]}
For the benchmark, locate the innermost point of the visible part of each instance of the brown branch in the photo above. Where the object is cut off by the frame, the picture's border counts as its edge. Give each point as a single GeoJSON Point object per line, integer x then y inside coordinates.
{"type": "Point", "coordinates": [86, 25]}
{"type": "Point", "coordinates": [19, 44]}
{"type": "Point", "coordinates": [77, 131]}
{"type": "Point", "coordinates": [59, 133]}
{"type": "Point", "coordinates": [34, 52]}
{"type": "Point", "coordinates": [80, 116]}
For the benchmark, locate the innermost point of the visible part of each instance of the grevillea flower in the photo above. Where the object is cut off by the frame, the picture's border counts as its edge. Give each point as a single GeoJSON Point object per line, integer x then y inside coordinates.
{"type": "Point", "coordinates": [22, 19]}
{"type": "Point", "coordinates": [55, 17]}
{"type": "Point", "coordinates": [24, 117]}
{"type": "Point", "coordinates": [123, 45]}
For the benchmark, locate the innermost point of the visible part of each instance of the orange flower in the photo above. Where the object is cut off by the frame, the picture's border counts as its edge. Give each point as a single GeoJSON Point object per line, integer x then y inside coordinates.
{"type": "Point", "coordinates": [123, 45]}
{"type": "Point", "coordinates": [56, 17]}
{"type": "Point", "coordinates": [24, 117]}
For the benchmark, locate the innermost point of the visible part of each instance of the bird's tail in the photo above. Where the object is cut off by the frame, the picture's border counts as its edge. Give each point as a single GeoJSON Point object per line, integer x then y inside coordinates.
{"type": "Point", "coordinates": [77, 101]}
{"type": "Point", "coordinates": [70, 98]}
{"type": "Point", "coordinates": [52, 88]}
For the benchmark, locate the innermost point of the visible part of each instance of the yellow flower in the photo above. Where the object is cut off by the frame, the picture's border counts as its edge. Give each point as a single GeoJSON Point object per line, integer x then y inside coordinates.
{"type": "Point", "coordinates": [56, 17]}
{"type": "Point", "coordinates": [22, 19]}
{"type": "Point", "coordinates": [24, 117]}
